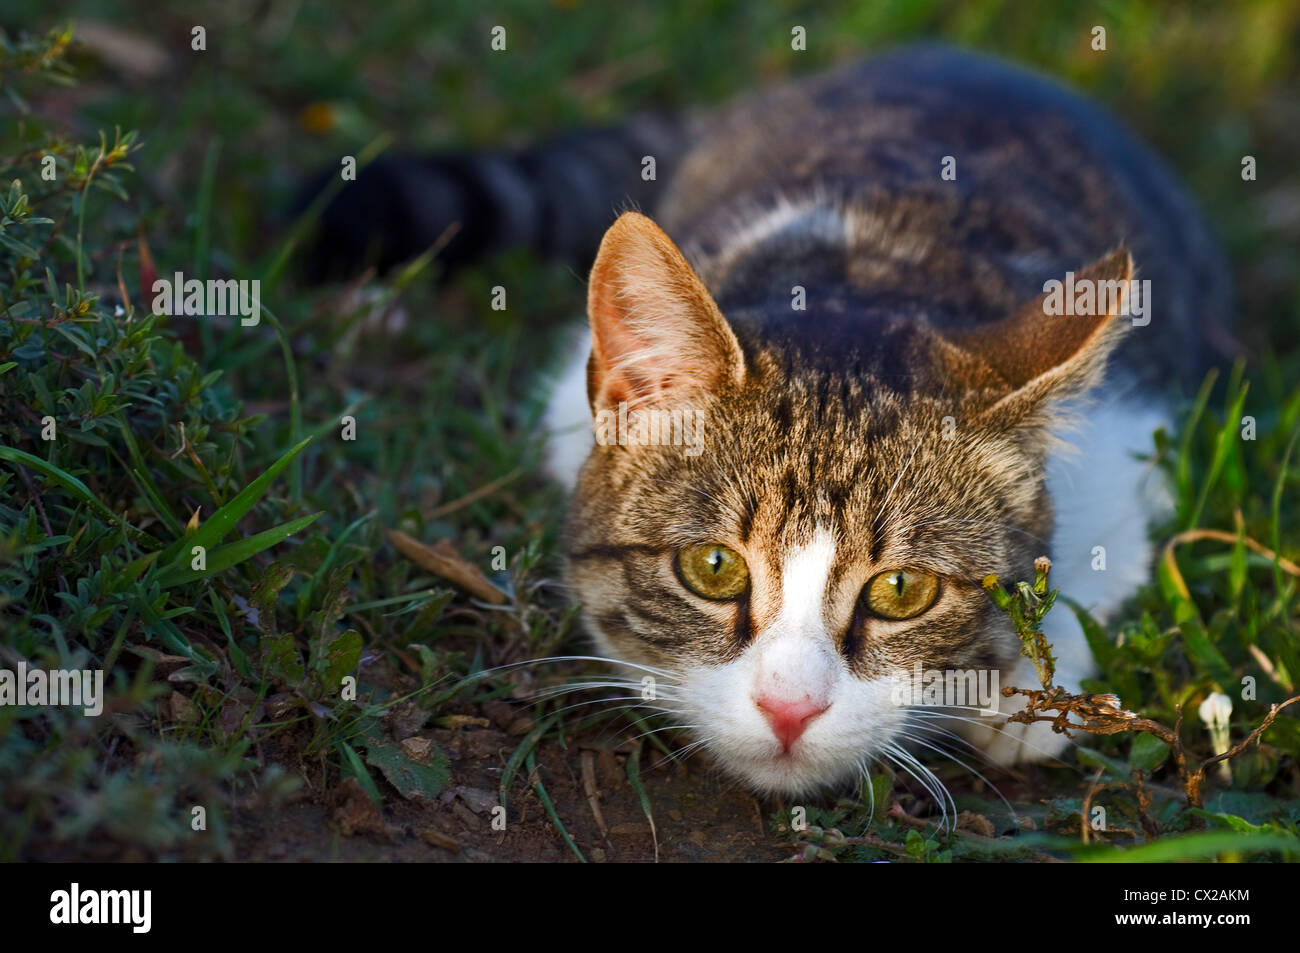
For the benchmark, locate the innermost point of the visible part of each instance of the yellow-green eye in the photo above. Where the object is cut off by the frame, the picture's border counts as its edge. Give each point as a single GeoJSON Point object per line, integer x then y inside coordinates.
{"type": "Point", "coordinates": [901, 593]}
{"type": "Point", "coordinates": [712, 570]}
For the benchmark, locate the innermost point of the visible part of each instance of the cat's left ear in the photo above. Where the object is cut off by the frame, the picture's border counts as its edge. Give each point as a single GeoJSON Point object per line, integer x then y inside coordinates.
{"type": "Point", "coordinates": [1038, 356]}
{"type": "Point", "coordinates": [656, 332]}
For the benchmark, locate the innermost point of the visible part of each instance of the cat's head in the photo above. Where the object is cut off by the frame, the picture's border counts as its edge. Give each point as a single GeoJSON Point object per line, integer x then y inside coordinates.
{"type": "Point", "coordinates": [775, 530]}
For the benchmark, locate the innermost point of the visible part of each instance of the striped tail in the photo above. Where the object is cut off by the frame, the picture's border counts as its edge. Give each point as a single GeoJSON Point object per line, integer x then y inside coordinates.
{"type": "Point", "coordinates": [556, 197]}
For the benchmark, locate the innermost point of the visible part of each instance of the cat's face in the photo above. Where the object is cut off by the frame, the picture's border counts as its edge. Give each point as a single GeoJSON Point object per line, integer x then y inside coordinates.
{"type": "Point", "coordinates": [814, 532]}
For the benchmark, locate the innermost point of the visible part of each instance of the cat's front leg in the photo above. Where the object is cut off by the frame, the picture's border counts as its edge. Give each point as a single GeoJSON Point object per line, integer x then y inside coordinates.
{"type": "Point", "coordinates": [1008, 743]}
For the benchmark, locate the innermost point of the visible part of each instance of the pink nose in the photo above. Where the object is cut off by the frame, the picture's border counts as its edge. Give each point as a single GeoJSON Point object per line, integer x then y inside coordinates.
{"type": "Point", "coordinates": [789, 719]}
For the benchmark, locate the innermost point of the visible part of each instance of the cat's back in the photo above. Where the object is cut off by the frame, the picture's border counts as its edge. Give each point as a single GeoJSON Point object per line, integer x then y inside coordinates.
{"type": "Point", "coordinates": [942, 185]}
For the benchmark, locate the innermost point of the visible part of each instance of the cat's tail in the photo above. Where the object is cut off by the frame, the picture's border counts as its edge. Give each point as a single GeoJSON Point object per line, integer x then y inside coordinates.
{"type": "Point", "coordinates": [556, 197]}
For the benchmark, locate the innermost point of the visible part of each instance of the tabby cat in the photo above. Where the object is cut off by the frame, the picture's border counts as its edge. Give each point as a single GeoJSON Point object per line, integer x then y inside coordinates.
{"type": "Point", "coordinates": [804, 427]}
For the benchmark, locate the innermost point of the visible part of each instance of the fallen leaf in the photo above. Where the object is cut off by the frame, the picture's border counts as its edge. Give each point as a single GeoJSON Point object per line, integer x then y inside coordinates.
{"type": "Point", "coordinates": [412, 779]}
{"type": "Point", "coordinates": [183, 710]}
{"type": "Point", "coordinates": [443, 561]}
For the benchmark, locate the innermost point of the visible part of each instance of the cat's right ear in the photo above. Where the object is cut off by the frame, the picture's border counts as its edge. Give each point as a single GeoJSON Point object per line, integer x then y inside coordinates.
{"type": "Point", "coordinates": [1037, 357]}
{"type": "Point", "coordinates": [656, 333]}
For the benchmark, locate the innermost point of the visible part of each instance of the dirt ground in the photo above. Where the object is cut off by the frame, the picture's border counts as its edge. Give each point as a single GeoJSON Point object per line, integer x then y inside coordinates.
{"type": "Point", "coordinates": [698, 814]}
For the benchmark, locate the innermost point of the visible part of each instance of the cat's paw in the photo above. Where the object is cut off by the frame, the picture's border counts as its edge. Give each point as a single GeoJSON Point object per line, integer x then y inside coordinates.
{"type": "Point", "coordinates": [1009, 743]}
{"type": "Point", "coordinates": [1013, 743]}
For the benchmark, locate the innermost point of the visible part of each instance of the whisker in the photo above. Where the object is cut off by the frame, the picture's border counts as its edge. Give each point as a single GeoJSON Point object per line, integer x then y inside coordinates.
{"type": "Point", "coordinates": [985, 522]}
{"type": "Point", "coordinates": [672, 727]}
{"type": "Point", "coordinates": [553, 690]}
{"type": "Point", "coordinates": [600, 701]}
{"type": "Point", "coordinates": [885, 502]}
{"type": "Point", "coordinates": [683, 752]}
{"type": "Point", "coordinates": [928, 780]}
{"type": "Point", "coordinates": [956, 760]}
{"type": "Point", "coordinates": [992, 726]}
{"type": "Point", "coordinates": [658, 672]}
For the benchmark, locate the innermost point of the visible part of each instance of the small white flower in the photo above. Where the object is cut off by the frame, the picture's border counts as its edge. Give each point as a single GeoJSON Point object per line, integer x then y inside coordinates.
{"type": "Point", "coordinates": [1216, 711]}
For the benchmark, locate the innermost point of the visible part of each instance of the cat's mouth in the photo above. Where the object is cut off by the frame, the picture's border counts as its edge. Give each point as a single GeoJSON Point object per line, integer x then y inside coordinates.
{"type": "Point", "coordinates": [804, 768]}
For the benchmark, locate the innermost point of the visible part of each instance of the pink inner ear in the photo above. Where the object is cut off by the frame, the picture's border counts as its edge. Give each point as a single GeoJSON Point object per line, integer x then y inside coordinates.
{"type": "Point", "coordinates": [655, 328]}
{"type": "Point", "coordinates": [617, 380]}
{"type": "Point", "coordinates": [643, 364]}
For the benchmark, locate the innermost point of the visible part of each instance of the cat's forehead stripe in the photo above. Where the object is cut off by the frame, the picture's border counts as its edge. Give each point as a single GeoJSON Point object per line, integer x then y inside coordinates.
{"type": "Point", "coordinates": [805, 576]}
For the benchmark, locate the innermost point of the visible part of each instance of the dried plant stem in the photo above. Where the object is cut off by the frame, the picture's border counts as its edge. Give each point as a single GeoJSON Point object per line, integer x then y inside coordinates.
{"type": "Point", "coordinates": [1223, 536]}
{"type": "Point", "coordinates": [1103, 714]}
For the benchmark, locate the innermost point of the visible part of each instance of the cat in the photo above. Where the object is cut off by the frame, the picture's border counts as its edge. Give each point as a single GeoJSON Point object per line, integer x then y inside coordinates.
{"type": "Point", "coordinates": [800, 430]}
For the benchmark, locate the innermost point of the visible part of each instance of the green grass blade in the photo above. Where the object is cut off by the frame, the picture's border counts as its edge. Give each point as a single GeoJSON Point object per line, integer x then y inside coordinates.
{"type": "Point", "coordinates": [634, 779]}
{"type": "Point", "coordinates": [1183, 468]}
{"type": "Point", "coordinates": [1225, 443]}
{"type": "Point", "coordinates": [68, 482]}
{"type": "Point", "coordinates": [215, 528]}
{"type": "Point", "coordinates": [530, 763]}
{"type": "Point", "coordinates": [1275, 527]}
{"type": "Point", "coordinates": [360, 773]}
{"type": "Point", "coordinates": [295, 401]}
{"type": "Point", "coordinates": [520, 754]}
{"type": "Point", "coordinates": [1103, 649]}
{"type": "Point", "coordinates": [1201, 846]}
{"type": "Point", "coordinates": [223, 557]}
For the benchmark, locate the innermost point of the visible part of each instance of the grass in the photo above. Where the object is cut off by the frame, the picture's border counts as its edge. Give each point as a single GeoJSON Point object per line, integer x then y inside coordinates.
{"type": "Point", "coordinates": [225, 677]}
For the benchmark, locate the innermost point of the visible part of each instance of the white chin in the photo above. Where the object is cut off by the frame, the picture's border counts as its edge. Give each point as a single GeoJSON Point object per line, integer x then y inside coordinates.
{"type": "Point", "coordinates": [795, 774]}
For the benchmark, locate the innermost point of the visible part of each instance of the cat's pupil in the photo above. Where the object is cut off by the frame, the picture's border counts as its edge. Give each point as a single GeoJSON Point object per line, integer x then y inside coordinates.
{"type": "Point", "coordinates": [896, 580]}
{"type": "Point", "coordinates": [715, 560]}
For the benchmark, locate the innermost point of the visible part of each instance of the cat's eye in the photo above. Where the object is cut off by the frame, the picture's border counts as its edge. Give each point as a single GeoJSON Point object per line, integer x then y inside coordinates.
{"type": "Point", "coordinates": [712, 570]}
{"type": "Point", "coordinates": [901, 593]}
